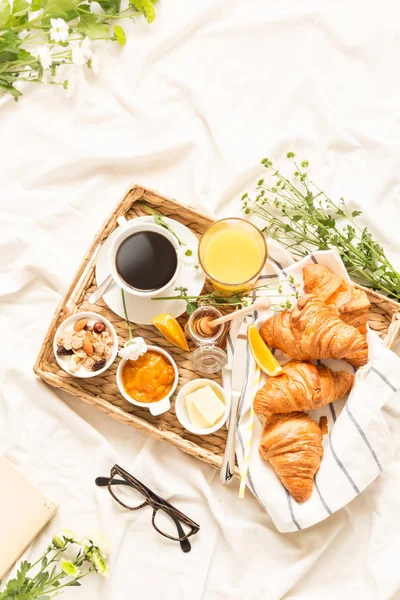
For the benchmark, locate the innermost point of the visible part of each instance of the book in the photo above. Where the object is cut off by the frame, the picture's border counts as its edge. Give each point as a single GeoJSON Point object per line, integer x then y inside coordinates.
{"type": "Point", "coordinates": [24, 511]}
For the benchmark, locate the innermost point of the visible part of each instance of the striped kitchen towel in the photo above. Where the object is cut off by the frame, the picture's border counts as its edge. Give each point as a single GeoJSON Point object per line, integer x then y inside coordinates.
{"type": "Point", "coordinates": [358, 445]}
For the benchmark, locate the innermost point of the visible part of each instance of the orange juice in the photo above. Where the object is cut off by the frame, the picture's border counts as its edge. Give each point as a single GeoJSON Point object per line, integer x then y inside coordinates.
{"type": "Point", "coordinates": [232, 253]}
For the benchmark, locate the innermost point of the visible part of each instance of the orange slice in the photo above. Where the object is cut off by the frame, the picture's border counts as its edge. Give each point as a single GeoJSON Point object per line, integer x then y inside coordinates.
{"type": "Point", "coordinates": [171, 330]}
{"type": "Point", "coordinates": [261, 353]}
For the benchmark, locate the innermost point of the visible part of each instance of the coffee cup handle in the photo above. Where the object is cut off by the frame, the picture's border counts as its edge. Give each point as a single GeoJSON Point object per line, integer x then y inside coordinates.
{"type": "Point", "coordinates": [160, 407]}
{"type": "Point", "coordinates": [121, 221]}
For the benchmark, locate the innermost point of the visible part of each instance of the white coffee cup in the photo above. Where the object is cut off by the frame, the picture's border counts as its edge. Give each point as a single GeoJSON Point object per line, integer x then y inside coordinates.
{"type": "Point", "coordinates": [128, 228]}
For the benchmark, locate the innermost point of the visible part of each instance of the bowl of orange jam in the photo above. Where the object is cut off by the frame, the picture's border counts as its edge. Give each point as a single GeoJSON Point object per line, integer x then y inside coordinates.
{"type": "Point", "coordinates": [149, 381]}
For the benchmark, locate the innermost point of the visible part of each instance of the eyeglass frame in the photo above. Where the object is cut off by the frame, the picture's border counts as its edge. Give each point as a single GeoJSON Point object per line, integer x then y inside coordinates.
{"type": "Point", "coordinates": [151, 499]}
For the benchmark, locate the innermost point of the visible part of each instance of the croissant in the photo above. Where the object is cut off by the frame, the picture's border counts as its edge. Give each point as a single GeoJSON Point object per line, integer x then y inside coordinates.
{"type": "Point", "coordinates": [352, 303]}
{"type": "Point", "coordinates": [312, 330]}
{"type": "Point", "coordinates": [301, 386]}
{"type": "Point", "coordinates": [292, 444]}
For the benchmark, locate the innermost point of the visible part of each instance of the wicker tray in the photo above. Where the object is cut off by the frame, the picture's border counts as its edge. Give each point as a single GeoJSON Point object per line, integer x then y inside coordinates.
{"type": "Point", "coordinates": [102, 391]}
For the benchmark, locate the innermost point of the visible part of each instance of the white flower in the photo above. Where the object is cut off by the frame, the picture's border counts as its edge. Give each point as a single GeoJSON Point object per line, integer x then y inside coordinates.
{"type": "Point", "coordinates": [59, 30]}
{"type": "Point", "coordinates": [72, 537]}
{"type": "Point", "coordinates": [96, 8]}
{"type": "Point", "coordinates": [133, 349]}
{"type": "Point", "coordinates": [43, 54]}
{"type": "Point", "coordinates": [23, 34]}
{"type": "Point", "coordinates": [69, 568]}
{"type": "Point", "coordinates": [100, 543]}
{"type": "Point", "coordinates": [95, 557]}
{"type": "Point", "coordinates": [34, 14]}
{"type": "Point", "coordinates": [95, 64]}
{"type": "Point", "coordinates": [81, 54]}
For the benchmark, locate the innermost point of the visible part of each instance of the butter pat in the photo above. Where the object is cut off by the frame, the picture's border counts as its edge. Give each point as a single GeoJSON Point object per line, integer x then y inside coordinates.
{"type": "Point", "coordinates": [207, 404]}
{"type": "Point", "coordinates": [195, 417]}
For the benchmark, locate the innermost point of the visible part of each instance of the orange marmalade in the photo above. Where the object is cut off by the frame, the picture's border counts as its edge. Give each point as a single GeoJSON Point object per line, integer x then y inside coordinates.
{"type": "Point", "coordinates": [149, 378]}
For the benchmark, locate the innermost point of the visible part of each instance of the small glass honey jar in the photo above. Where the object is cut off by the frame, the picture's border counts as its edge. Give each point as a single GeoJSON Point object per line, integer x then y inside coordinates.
{"type": "Point", "coordinates": [208, 357]}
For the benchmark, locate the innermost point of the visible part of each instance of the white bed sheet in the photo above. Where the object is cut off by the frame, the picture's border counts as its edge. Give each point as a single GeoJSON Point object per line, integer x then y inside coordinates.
{"type": "Point", "coordinates": [189, 107]}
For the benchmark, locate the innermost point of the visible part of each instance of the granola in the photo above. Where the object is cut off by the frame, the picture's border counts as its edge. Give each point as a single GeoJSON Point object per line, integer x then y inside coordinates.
{"type": "Point", "coordinates": [85, 345]}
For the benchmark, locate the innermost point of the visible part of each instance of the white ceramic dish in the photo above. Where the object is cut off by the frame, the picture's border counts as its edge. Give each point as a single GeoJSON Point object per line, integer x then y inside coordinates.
{"type": "Point", "coordinates": [142, 310]}
{"type": "Point", "coordinates": [124, 231]}
{"type": "Point", "coordinates": [182, 413]}
{"type": "Point", "coordinates": [161, 406]}
{"type": "Point", "coordinates": [69, 323]}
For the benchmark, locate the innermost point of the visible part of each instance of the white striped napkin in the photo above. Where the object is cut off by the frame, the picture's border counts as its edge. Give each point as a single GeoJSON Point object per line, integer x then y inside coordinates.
{"type": "Point", "coordinates": [358, 445]}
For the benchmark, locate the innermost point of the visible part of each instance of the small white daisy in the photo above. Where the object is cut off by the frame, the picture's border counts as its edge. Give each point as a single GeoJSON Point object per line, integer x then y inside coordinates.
{"type": "Point", "coordinates": [23, 34]}
{"type": "Point", "coordinates": [43, 54]}
{"type": "Point", "coordinates": [133, 349]}
{"type": "Point", "coordinates": [81, 53]}
{"type": "Point", "coordinates": [59, 30]}
{"type": "Point", "coordinates": [95, 64]}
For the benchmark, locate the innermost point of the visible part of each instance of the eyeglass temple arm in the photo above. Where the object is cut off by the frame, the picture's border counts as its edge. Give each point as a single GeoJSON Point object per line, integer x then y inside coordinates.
{"type": "Point", "coordinates": [185, 544]}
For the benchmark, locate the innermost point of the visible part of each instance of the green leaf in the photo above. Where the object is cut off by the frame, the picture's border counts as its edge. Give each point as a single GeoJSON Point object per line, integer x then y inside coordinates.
{"type": "Point", "coordinates": [120, 35]}
{"type": "Point", "coordinates": [9, 88]}
{"type": "Point", "coordinates": [38, 4]}
{"type": "Point", "coordinates": [41, 578]}
{"type": "Point", "coordinates": [44, 562]}
{"type": "Point", "coordinates": [60, 8]}
{"type": "Point", "coordinates": [355, 213]}
{"type": "Point", "coordinates": [73, 583]}
{"type": "Point", "coordinates": [94, 29]}
{"type": "Point", "coordinates": [9, 39]}
{"type": "Point", "coordinates": [110, 7]}
{"type": "Point", "coordinates": [20, 8]}
{"type": "Point", "coordinates": [24, 55]}
{"type": "Point", "coordinates": [191, 307]}
{"type": "Point", "coordinates": [148, 10]}
{"type": "Point", "coordinates": [5, 12]}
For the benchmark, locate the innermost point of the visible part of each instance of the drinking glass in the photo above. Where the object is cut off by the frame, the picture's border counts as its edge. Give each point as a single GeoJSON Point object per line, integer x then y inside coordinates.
{"type": "Point", "coordinates": [232, 253]}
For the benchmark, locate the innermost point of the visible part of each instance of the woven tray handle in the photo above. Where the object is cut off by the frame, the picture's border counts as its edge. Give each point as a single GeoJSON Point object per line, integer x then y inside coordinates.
{"type": "Point", "coordinates": [393, 333]}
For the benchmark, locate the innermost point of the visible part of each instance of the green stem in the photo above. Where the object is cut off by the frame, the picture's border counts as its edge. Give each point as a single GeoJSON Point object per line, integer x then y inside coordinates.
{"type": "Point", "coordinates": [160, 221]}
{"type": "Point", "coordinates": [49, 549]}
{"type": "Point", "coordinates": [68, 584]}
{"type": "Point", "coordinates": [363, 260]}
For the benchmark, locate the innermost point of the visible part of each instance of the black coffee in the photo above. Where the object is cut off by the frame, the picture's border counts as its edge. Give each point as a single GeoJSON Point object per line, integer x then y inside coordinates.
{"type": "Point", "coordinates": [146, 261]}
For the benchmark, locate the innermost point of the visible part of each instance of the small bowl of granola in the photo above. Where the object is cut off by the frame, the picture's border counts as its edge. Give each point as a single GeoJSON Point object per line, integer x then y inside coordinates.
{"type": "Point", "coordinates": [85, 344]}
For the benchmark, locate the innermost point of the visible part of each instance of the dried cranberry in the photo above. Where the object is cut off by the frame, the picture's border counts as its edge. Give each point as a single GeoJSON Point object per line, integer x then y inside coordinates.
{"type": "Point", "coordinates": [99, 327]}
{"type": "Point", "coordinates": [61, 351]}
{"type": "Point", "coordinates": [99, 364]}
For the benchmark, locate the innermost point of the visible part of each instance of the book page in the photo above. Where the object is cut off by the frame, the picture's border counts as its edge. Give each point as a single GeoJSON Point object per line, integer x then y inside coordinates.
{"type": "Point", "coordinates": [24, 511]}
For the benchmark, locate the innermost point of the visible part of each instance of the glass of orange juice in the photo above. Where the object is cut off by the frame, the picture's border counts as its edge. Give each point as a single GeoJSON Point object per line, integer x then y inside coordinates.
{"type": "Point", "coordinates": [232, 253]}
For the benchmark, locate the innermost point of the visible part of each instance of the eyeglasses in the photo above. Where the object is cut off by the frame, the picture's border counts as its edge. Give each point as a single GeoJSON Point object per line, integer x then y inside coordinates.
{"type": "Point", "coordinates": [132, 494]}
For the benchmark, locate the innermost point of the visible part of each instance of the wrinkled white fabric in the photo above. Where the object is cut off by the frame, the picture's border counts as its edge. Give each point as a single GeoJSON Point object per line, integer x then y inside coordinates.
{"type": "Point", "coordinates": [189, 107]}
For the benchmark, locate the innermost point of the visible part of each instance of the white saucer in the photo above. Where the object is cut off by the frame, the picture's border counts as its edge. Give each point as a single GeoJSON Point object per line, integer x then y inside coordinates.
{"type": "Point", "coordinates": [142, 310]}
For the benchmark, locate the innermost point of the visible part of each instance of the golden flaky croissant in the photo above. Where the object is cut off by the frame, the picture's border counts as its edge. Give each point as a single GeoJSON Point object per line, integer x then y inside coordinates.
{"type": "Point", "coordinates": [351, 302]}
{"type": "Point", "coordinates": [313, 330]}
{"type": "Point", "coordinates": [301, 386]}
{"type": "Point", "coordinates": [292, 444]}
